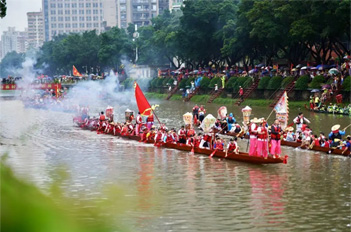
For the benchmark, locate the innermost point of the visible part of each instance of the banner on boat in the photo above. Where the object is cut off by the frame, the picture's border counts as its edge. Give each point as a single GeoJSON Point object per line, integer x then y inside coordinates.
{"type": "Point", "coordinates": [282, 110]}
{"type": "Point", "coordinates": [143, 105]}
{"type": "Point", "coordinates": [75, 72]}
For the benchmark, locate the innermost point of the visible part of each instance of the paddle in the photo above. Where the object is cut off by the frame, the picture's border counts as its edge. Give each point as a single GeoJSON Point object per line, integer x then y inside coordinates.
{"type": "Point", "coordinates": [192, 149]}
{"type": "Point", "coordinates": [212, 154]}
{"type": "Point", "coordinates": [346, 127]}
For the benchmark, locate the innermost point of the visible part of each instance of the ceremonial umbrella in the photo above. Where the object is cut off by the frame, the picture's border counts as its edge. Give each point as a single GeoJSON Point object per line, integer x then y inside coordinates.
{"type": "Point", "coordinates": [304, 68]}
{"type": "Point", "coordinates": [259, 65]}
{"type": "Point", "coordinates": [315, 91]}
{"type": "Point", "coordinates": [298, 66]}
{"type": "Point", "coordinates": [333, 71]}
{"type": "Point", "coordinates": [346, 57]}
{"type": "Point", "coordinates": [326, 87]}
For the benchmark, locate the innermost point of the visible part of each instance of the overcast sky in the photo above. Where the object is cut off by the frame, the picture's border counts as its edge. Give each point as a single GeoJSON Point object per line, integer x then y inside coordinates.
{"type": "Point", "coordinates": [16, 15]}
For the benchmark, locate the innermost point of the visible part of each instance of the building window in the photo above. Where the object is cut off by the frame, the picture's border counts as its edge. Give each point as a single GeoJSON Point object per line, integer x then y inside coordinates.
{"type": "Point", "coordinates": [67, 12]}
{"type": "Point", "coordinates": [74, 12]}
{"type": "Point", "coordinates": [87, 4]}
{"type": "Point", "coordinates": [95, 5]}
{"type": "Point", "coordinates": [88, 11]}
{"type": "Point", "coordinates": [81, 5]}
{"type": "Point", "coordinates": [53, 12]}
{"type": "Point", "coordinates": [68, 25]}
{"type": "Point", "coordinates": [60, 18]}
{"type": "Point", "coordinates": [96, 25]}
{"type": "Point", "coordinates": [60, 12]}
{"type": "Point", "coordinates": [67, 18]}
{"type": "Point", "coordinates": [95, 18]}
{"type": "Point", "coordinates": [74, 18]}
{"type": "Point", "coordinates": [60, 25]}
{"type": "Point", "coordinates": [101, 18]}
{"type": "Point", "coordinates": [81, 25]}
{"type": "Point", "coordinates": [88, 25]}
{"type": "Point", "coordinates": [81, 18]}
{"type": "Point", "coordinates": [53, 5]}
{"type": "Point", "coordinates": [53, 19]}
{"type": "Point", "coordinates": [67, 5]}
{"type": "Point", "coordinates": [88, 18]}
{"type": "Point", "coordinates": [74, 5]}
{"type": "Point", "coordinates": [74, 25]}
{"type": "Point", "coordinates": [59, 5]}
{"type": "Point", "coordinates": [95, 12]}
{"type": "Point", "coordinates": [81, 12]}
{"type": "Point", "coordinates": [53, 33]}
{"type": "Point", "coordinates": [53, 25]}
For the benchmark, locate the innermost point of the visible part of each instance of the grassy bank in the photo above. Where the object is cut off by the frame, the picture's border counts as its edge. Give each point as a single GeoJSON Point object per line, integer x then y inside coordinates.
{"type": "Point", "coordinates": [202, 99]}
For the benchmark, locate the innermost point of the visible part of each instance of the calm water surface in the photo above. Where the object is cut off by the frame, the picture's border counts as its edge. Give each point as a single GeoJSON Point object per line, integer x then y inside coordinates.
{"type": "Point", "coordinates": [175, 191]}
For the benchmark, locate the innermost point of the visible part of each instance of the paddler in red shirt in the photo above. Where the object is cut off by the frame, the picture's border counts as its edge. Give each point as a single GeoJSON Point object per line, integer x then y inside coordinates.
{"type": "Point", "coordinates": [219, 144]}
{"type": "Point", "coordinates": [139, 122]}
{"type": "Point", "coordinates": [232, 147]}
{"type": "Point", "coordinates": [182, 135]}
{"type": "Point", "coordinates": [262, 139]}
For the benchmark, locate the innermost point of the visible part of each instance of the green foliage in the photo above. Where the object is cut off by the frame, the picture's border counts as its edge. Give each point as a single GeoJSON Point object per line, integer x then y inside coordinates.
{"type": "Point", "coordinates": [302, 83]}
{"type": "Point", "coordinates": [215, 80]}
{"type": "Point", "coordinates": [244, 82]}
{"type": "Point", "coordinates": [128, 83]}
{"type": "Point", "coordinates": [346, 86]}
{"type": "Point", "coordinates": [10, 63]}
{"type": "Point", "coordinates": [3, 8]}
{"type": "Point", "coordinates": [286, 81]}
{"type": "Point", "coordinates": [263, 84]}
{"type": "Point", "coordinates": [159, 82]}
{"type": "Point", "coordinates": [153, 82]}
{"type": "Point", "coordinates": [205, 82]}
{"type": "Point", "coordinates": [316, 82]}
{"type": "Point", "coordinates": [231, 82]}
{"type": "Point", "coordinates": [275, 82]}
{"type": "Point", "coordinates": [182, 83]}
{"type": "Point", "coordinates": [189, 80]}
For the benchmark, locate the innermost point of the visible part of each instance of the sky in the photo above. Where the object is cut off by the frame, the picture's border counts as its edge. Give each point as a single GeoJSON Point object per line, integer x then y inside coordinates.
{"type": "Point", "coordinates": [16, 15]}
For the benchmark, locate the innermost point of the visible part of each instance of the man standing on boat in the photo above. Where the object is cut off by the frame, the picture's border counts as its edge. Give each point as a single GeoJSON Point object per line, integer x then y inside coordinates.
{"type": "Point", "coordinates": [202, 112]}
{"type": "Point", "coordinates": [150, 121]}
{"type": "Point", "coordinates": [195, 113]}
{"type": "Point", "coordinates": [299, 121]}
{"type": "Point", "coordinates": [253, 136]}
{"type": "Point", "coordinates": [336, 135]}
{"type": "Point", "coordinates": [139, 122]}
{"type": "Point", "coordinates": [276, 131]}
{"type": "Point", "coordinates": [182, 135]}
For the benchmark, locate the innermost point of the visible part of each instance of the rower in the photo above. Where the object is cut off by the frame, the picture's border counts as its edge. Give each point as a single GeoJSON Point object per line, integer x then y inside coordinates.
{"type": "Point", "coordinates": [139, 122]}
{"type": "Point", "coordinates": [182, 135]}
{"type": "Point", "coordinates": [190, 132]}
{"type": "Point", "coordinates": [262, 139]}
{"type": "Point", "coordinates": [232, 147]}
{"type": "Point", "coordinates": [336, 134]}
{"type": "Point", "coordinates": [206, 141]}
{"type": "Point", "coordinates": [230, 121]}
{"type": "Point", "coordinates": [253, 136]}
{"type": "Point", "coordinates": [347, 145]}
{"type": "Point", "coordinates": [299, 121]}
{"type": "Point", "coordinates": [290, 136]}
{"type": "Point", "coordinates": [219, 145]}
{"type": "Point", "coordinates": [276, 132]}
{"type": "Point", "coordinates": [102, 119]}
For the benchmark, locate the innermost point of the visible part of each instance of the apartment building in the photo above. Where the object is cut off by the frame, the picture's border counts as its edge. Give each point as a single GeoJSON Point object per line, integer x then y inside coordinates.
{"type": "Point", "coordinates": [12, 40]}
{"type": "Point", "coordinates": [66, 16]}
{"type": "Point", "coordinates": [35, 29]}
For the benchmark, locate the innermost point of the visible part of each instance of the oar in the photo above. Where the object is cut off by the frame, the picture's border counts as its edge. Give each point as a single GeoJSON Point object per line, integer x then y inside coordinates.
{"type": "Point", "coordinates": [213, 152]}
{"type": "Point", "coordinates": [347, 127]}
{"type": "Point", "coordinates": [192, 149]}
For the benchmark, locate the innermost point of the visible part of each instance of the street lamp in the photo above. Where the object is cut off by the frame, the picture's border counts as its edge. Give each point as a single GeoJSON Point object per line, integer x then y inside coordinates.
{"type": "Point", "coordinates": [136, 36]}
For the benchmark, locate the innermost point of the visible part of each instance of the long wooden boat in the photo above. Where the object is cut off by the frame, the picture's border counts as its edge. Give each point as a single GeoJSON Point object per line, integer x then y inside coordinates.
{"type": "Point", "coordinates": [330, 151]}
{"type": "Point", "coordinates": [242, 157]}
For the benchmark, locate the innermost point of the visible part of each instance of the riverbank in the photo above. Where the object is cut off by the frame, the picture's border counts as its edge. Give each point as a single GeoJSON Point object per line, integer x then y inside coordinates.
{"type": "Point", "coordinates": [202, 99]}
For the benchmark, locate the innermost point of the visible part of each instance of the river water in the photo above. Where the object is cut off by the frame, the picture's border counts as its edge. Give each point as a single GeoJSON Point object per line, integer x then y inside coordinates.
{"type": "Point", "coordinates": [174, 191]}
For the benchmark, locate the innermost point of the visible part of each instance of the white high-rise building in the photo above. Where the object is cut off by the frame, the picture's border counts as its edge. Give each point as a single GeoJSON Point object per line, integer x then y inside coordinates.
{"type": "Point", "coordinates": [66, 16]}
{"type": "Point", "coordinates": [12, 40]}
{"type": "Point", "coordinates": [35, 29]}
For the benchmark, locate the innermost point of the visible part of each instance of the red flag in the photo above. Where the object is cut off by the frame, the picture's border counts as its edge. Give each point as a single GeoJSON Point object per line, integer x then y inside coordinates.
{"type": "Point", "coordinates": [75, 72]}
{"type": "Point", "coordinates": [143, 105]}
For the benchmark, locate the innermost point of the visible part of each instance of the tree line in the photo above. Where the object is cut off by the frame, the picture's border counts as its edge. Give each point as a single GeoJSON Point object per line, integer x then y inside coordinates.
{"type": "Point", "coordinates": [212, 32]}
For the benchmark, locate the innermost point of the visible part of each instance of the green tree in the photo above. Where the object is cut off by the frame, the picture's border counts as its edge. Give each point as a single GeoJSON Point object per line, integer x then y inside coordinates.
{"type": "Point", "coordinates": [10, 63]}
{"type": "Point", "coordinates": [3, 8]}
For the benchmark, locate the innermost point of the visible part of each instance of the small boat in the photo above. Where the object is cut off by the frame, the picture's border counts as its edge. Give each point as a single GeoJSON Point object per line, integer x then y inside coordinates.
{"type": "Point", "coordinates": [327, 112]}
{"type": "Point", "coordinates": [242, 157]}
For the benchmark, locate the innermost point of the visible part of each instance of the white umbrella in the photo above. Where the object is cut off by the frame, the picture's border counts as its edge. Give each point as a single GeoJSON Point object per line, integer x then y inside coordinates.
{"type": "Point", "coordinates": [304, 68]}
